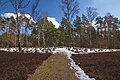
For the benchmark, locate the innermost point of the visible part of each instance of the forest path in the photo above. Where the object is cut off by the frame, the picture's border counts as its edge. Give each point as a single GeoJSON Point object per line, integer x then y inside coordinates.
{"type": "Point", "coordinates": [56, 67]}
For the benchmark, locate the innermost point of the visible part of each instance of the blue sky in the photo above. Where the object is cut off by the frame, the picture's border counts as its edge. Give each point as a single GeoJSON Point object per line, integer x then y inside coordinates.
{"type": "Point", "coordinates": [53, 9]}
{"type": "Point", "coordinates": [104, 6]}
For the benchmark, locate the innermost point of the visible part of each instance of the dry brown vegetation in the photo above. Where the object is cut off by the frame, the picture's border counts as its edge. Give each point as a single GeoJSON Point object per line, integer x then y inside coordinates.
{"type": "Point", "coordinates": [101, 66]}
{"type": "Point", "coordinates": [17, 66]}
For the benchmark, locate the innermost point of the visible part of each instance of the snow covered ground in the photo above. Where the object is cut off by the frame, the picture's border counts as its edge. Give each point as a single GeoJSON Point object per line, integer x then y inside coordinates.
{"type": "Point", "coordinates": [29, 50]}
{"type": "Point", "coordinates": [53, 50]}
{"type": "Point", "coordinates": [91, 50]}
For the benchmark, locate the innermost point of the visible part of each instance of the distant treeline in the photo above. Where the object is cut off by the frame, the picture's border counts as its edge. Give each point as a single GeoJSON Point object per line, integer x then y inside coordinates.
{"type": "Point", "coordinates": [104, 34]}
{"type": "Point", "coordinates": [75, 32]}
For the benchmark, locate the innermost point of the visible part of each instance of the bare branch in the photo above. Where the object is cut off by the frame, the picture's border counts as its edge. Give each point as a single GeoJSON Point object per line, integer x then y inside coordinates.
{"type": "Point", "coordinates": [34, 11]}
{"type": "Point", "coordinates": [91, 13]}
{"type": "Point", "coordinates": [69, 8]}
{"type": "Point", "coordinates": [19, 4]}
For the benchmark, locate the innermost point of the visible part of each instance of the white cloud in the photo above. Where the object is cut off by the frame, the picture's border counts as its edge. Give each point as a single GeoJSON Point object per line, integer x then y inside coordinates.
{"type": "Point", "coordinates": [94, 25]}
{"type": "Point", "coordinates": [53, 20]}
{"type": "Point", "coordinates": [8, 15]}
{"type": "Point", "coordinates": [29, 17]}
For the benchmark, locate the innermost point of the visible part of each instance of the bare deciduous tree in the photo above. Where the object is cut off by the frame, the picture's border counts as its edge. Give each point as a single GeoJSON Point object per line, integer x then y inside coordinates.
{"type": "Point", "coordinates": [17, 5]}
{"type": "Point", "coordinates": [41, 27]}
{"type": "Point", "coordinates": [70, 8]}
{"type": "Point", "coordinates": [91, 13]}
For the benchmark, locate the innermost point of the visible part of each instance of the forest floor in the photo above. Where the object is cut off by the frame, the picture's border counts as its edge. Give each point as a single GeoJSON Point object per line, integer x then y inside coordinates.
{"type": "Point", "coordinates": [101, 66]}
{"type": "Point", "coordinates": [56, 67]}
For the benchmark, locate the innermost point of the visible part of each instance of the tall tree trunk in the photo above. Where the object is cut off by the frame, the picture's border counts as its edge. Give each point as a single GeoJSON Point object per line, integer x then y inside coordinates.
{"type": "Point", "coordinates": [15, 41]}
{"type": "Point", "coordinates": [26, 39]}
{"type": "Point", "coordinates": [90, 39]}
{"type": "Point", "coordinates": [19, 46]}
{"type": "Point", "coordinates": [18, 30]}
{"type": "Point", "coordinates": [7, 39]}
{"type": "Point", "coordinates": [43, 36]}
{"type": "Point", "coordinates": [80, 40]}
{"type": "Point", "coordinates": [39, 38]}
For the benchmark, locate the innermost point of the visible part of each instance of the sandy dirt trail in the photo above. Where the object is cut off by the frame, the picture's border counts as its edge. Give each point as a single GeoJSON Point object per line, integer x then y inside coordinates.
{"type": "Point", "coordinates": [56, 67]}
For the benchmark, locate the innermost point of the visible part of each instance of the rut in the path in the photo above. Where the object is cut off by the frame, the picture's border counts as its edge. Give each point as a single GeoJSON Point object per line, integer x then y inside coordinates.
{"type": "Point", "coordinates": [56, 67]}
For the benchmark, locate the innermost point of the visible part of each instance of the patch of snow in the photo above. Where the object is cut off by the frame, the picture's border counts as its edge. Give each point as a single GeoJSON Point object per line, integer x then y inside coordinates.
{"type": "Point", "coordinates": [4, 49]}
{"type": "Point", "coordinates": [9, 49]}
{"type": "Point", "coordinates": [54, 50]}
{"type": "Point", "coordinates": [38, 50]}
{"type": "Point", "coordinates": [91, 50]}
{"type": "Point", "coordinates": [78, 71]}
{"type": "Point", "coordinates": [13, 49]}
